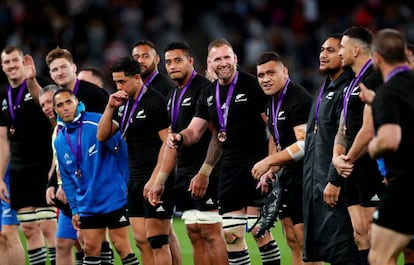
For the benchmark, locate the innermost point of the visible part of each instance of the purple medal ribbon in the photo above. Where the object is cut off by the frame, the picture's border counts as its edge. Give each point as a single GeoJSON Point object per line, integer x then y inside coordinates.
{"type": "Point", "coordinates": [351, 87]}
{"type": "Point", "coordinates": [275, 114]}
{"type": "Point", "coordinates": [396, 70]}
{"type": "Point", "coordinates": [78, 152]}
{"type": "Point", "coordinates": [76, 88]}
{"type": "Point", "coordinates": [175, 105]}
{"type": "Point", "coordinates": [125, 123]}
{"type": "Point", "coordinates": [315, 128]}
{"type": "Point", "coordinates": [150, 78]}
{"type": "Point", "coordinates": [13, 108]}
{"type": "Point", "coordinates": [223, 116]}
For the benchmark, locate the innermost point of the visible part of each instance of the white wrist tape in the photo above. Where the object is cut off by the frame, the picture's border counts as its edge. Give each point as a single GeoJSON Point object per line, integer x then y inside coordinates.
{"type": "Point", "coordinates": [297, 150]}
{"type": "Point", "coordinates": [205, 170]}
{"type": "Point", "coordinates": [161, 178]}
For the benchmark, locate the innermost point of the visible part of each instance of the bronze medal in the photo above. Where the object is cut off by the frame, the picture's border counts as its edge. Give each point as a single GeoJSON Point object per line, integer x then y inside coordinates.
{"type": "Point", "coordinates": [222, 136]}
{"type": "Point", "coordinates": [278, 147]}
{"type": "Point", "coordinates": [12, 130]}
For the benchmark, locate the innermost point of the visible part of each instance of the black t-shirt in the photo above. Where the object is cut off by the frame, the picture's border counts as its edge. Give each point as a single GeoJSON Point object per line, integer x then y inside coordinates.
{"type": "Point", "coordinates": [246, 130]}
{"type": "Point", "coordinates": [30, 143]}
{"type": "Point", "coordinates": [142, 134]}
{"type": "Point", "coordinates": [193, 155]}
{"type": "Point", "coordinates": [294, 110]}
{"type": "Point", "coordinates": [394, 104]}
{"type": "Point", "coordinates": [371, 79]}
{"type": "Point", "coordinates": [94, 97]}
{"type": "Point", "coordinates": [162, 84]}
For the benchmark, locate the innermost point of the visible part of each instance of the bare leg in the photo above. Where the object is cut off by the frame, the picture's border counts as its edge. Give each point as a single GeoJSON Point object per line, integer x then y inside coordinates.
{"type": "Point", "coordinates": [138, 229]}
{"type": "Point", "coordinates": [155, 228]}
{"type": "Point", "coordinates": [175, 247]}
{"type": "Point", "coordinates": [11, 249]}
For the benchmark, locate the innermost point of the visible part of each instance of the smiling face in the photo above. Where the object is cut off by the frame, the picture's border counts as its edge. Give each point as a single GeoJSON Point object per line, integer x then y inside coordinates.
{"type": "Point", "coordinates": [12, 65]}
{"type": "Point", "coordinates": [329, 60]}
{"type": "Point", "coordinates": [347, 51]}
{"type": "Point", "coordinates": [272, 77]}
{"type": "Point", "coordinates": [223, 62]}
{"type": "Point", "coordinates": [63, 72]}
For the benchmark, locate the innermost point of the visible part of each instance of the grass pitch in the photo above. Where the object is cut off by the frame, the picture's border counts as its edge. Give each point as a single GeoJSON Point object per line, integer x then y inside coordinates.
{"type": "Point", "coordinates": [187, 252]}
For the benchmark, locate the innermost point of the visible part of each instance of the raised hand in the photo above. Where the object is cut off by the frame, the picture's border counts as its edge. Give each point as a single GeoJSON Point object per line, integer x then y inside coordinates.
{"type": "Point", "coordinates": [29, 67]}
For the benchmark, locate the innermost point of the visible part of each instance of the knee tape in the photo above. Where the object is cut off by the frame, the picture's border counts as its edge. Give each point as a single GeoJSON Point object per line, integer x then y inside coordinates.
{"type": "Point", "coordinates": [46, 213]}
{"type": "Point", "coordinates": [234, 227]}
{"type": "Point", "coordinates": [158, 241]}
{"type": "Point", "coordinates": [252, 222]}
{"type": "Point", "coordinates": [27, 217]}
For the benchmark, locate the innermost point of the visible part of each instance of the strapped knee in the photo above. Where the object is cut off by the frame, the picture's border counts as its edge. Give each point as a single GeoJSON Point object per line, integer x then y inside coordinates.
{"type": "Point", "coordinates": [234, 227]}
{"type": "Point", "coordinates": [27, 217]}
{"type": "Point", "coordinates": [46, 213]}
{"type": "Point", "coordinates": [158, 241]}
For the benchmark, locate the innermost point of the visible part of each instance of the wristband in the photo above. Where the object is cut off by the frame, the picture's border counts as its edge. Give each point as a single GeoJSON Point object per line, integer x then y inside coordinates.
{"type": "Point", "coordinates": [205, 170]}
{"type": "Point", "coordinates": [161, 178]}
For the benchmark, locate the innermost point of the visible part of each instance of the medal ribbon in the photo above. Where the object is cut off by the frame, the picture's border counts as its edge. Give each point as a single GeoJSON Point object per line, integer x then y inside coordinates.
{"type": "Point", "coordinates": [223, 116]}
{"type": "Point", "coordinates": [175, 105]}
{"type": "Point", "coordinates": [76, 88]}
{"type": "Point", "coordinates": [318, 103]}
{"type": "Point", "coordinates": [396, 70]}
{"type": "Point", "coordinates": [13, 108]}
{"type": "Point", "coordinates": [150, 78]}
{"type": "Point", "coordinates": [125, 123]}
{"type": "Point", "coordinates": [275, 113]}
{"type": "Point", "coordinates": [78, 152]}
{"type": "Point", "coordinates": [351, 87]}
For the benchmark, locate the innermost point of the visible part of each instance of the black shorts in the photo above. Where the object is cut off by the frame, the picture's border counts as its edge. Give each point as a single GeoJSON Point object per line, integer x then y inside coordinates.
{"type": "Point", "coordinates": [292, 203]}
{"type": "Point", "coordinates": [28, 187]}
{"type": "Point", "coordinates": [237, 188]}
{"type": "Point", "coordinates": [138, 206]}
{"type": "Point", "coordinates": [365, 185]}
{"type": "Point", "coordinates": [393, 210]}
{"type": "Point", "coordinates": [182, 197]}
{"type": "Point", "coordinates": [112, 220]}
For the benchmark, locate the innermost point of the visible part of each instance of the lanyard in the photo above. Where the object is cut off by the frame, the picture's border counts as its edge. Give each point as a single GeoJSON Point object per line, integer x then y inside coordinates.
{"type": "Point", "coordinates": [318, 104]}
{"type": "Point", "coordinates": [275, 114]}
{"type": "Point", "coordinates": [78, 152]}
{"type": "Point", "coordinates": [76, 88]}
{"type": "Point", "coordinates": [351, 87]}
{"type": "Point", "coordinates": [223, 116]}
{"type": "Point", "coordinates": [175, 105]}
{"type": "Point", "coordinates": [13, 107]}
{"type": "Point", "coordinates": [126, 122]}
{"type": "Point", "coordinates": [151, 77]}
{"type": "Point", "coordinates": [396, 70]}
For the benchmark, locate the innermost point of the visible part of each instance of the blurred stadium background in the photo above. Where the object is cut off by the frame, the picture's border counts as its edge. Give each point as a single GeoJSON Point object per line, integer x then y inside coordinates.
{"type": "Point", "coordinates": [98, 32]}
